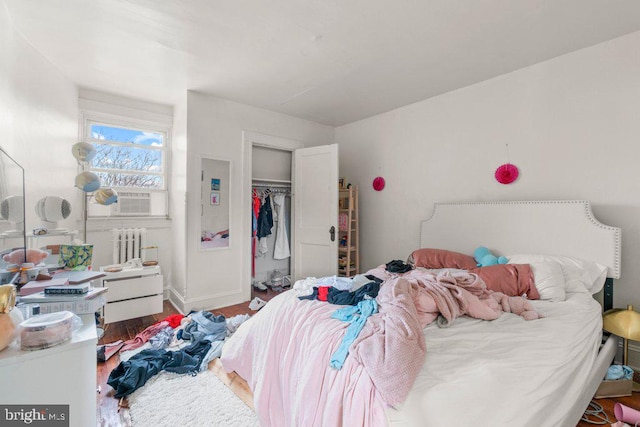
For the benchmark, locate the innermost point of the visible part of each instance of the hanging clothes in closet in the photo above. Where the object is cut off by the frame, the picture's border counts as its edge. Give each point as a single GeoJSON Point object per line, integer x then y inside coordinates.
{"type": "Point", "coordinates": [255, 212]}
{"type": "Point", "coordinates": [281, 250]}
{"type": "Point", "coordinates": [265, 224]}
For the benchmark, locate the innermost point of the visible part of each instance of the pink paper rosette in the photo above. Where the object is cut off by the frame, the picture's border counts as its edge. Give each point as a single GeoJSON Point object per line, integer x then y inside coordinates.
{"type": "Point", "coordinates": [378, 183]}
{"type": "Point", "coordinates": [507, 173]}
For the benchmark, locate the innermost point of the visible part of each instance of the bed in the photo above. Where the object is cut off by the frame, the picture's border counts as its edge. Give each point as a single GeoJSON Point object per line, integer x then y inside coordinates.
{"type": "Point", "coordinates": [503, 372]}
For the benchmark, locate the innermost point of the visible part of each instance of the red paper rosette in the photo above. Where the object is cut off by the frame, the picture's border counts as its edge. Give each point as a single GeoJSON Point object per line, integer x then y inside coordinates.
{"type": "Point", "coordinates": [378, 183]}
{"type": "Point", "coordinates": [507, 173]}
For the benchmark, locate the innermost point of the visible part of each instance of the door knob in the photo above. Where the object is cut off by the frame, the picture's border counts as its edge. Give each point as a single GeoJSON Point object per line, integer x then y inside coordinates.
{"type": "Point", "coordinates": [332, 231]}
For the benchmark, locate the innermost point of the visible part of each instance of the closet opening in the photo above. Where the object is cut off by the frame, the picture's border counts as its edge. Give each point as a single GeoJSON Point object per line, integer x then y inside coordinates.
{"type": "Point", "coordinates": [271, 198]}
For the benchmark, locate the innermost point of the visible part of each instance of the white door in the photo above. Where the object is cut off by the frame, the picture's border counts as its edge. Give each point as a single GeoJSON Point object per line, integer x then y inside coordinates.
{"type": "Point", "coordinates": [315, 189]}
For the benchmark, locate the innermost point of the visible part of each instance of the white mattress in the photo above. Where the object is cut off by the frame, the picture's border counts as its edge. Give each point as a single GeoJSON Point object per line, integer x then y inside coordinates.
{"type": "Point", "coordinates": [507, 372]}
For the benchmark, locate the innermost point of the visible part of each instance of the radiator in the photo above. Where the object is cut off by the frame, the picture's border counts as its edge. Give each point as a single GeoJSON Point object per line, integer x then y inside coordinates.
{"type": "Point", "coordinates": [127, 243]}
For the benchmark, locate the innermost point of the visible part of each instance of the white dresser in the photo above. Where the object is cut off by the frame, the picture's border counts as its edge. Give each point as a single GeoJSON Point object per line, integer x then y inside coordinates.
{"type": "Point", "coordinates": [60, 375]}
{"type": "Point", "coordinates": [134, 292]}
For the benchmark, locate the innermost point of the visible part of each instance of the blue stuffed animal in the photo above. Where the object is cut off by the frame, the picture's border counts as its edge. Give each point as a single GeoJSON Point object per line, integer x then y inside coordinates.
{"type": "Point", "coordinates": [484, 257]}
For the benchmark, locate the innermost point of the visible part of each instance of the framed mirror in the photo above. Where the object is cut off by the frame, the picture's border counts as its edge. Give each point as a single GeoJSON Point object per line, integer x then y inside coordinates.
{"type": "Point", "coordinates": [215, 204]}
{"type": "Point", "coordinates": [12, 212]}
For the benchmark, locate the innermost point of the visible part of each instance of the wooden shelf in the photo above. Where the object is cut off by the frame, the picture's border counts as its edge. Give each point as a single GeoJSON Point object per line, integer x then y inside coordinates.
{"type": "Point", "coordinates": [348, 255]}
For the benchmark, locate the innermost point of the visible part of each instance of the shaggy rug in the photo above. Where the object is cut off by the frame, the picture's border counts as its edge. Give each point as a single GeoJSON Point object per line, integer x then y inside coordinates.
{"type": "Point", "coordinates": [170, 399]}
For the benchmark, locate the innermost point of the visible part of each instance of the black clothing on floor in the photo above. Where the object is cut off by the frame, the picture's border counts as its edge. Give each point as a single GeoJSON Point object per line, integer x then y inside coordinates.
{"type": "Point", "coordinates": [132, 374]}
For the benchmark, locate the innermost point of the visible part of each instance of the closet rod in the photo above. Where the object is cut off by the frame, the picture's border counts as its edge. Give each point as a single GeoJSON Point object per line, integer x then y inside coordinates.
{"type": "Point", "coordinates": [271, 185]}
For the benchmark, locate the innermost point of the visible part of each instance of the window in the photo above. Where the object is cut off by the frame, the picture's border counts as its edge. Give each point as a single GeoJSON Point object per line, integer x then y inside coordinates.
{"type": "Point", "coordinates": [128, 158]}
{"type": "Point", "coordinates": [132, 158]}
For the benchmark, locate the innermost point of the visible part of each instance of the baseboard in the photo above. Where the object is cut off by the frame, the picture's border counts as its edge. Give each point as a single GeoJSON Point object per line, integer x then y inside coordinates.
{"type": "Point", "coordinates": [212, 302]}
{"type": "Point", "coordinates": [177, 300]}
{"type": "Point", "coordinates": [206, 302]}
{"type": "Point", "coordinates": [175, 306]}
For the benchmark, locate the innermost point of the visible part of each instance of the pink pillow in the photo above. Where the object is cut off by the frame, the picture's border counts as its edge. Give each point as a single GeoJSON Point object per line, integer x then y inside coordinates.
{"type": "Point", "coordinates": [510, 279]}
{"type": "Point", "coordinates": [440, 258]}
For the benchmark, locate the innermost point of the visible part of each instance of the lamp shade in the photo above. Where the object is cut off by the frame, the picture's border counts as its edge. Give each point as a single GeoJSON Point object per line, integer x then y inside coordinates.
{"type": "Point", "coordinates": [623, 323]}
{"type": "Point", "coordinates": [106, 196]}
{"type": "Point", "coordinates": [87, 181]}
{"type": "Point", "coordinates": [83, 151]}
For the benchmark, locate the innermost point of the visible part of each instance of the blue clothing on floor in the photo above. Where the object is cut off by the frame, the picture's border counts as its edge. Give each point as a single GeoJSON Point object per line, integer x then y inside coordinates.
{"type": "Point", "coordinates": [205, 326]}
{"type": "Point", "coordinates": [357, 315]}
{"type": "Point", "coordinates": [214, 352]}
{"type": "Point", "coordinates": [619, 372]}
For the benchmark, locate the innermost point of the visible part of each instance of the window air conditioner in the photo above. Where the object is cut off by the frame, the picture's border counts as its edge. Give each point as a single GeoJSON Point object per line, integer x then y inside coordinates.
{"type": "Point", "coordinates": [132, 203]}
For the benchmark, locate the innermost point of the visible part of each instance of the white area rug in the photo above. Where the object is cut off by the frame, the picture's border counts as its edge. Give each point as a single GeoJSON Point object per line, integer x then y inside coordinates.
{"type": "Point", "coordinates": [182, 400]}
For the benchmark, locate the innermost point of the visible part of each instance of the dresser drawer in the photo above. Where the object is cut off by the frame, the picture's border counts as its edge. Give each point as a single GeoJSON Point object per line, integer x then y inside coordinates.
{"type": "Point", "coordinates": [132, 308]}
{"type": "Point", "coordinates": [124, 289]}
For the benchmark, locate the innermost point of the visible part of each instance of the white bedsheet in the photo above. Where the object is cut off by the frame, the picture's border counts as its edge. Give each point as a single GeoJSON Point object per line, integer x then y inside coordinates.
{"type": "Point", "coordinates": [490, 374]}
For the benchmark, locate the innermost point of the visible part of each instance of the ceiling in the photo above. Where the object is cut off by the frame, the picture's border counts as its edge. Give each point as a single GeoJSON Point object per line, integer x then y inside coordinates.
{"type": "Point", "coordinates": [329, 61]}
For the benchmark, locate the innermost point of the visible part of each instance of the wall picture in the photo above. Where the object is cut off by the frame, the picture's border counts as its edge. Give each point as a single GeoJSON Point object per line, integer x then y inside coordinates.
{"type": "Point", "coordinates": [215, 197]}
{"type": "Point", "coordinates": [215, 184]}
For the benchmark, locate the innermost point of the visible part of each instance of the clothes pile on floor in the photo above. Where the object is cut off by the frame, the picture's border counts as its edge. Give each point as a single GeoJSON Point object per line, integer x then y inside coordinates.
{"type": "Point", "coordinates": [183, 345]}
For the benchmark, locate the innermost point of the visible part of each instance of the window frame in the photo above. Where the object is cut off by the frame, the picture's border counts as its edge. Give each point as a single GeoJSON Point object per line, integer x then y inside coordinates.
{"type": "Point", "coordinates": [89, 118]}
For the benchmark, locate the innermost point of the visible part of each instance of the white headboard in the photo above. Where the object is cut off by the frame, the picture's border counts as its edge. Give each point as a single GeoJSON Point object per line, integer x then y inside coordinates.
{"type": "Point", "coordinates": [558, 227]}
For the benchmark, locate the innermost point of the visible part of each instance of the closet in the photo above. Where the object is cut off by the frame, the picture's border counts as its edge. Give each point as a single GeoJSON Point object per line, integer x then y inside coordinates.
{"type": "Point", "coordinates": [271, 183]}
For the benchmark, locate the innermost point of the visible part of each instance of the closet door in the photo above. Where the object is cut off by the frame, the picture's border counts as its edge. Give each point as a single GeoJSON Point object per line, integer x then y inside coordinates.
{"type": "Point", "coordinates": [315, 189]}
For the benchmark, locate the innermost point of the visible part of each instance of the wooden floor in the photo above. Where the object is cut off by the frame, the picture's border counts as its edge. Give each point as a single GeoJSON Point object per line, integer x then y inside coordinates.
{"type": "Point", "coordinates": [108, 413]}
{"type": "Point", "coordinates": [607, 406]}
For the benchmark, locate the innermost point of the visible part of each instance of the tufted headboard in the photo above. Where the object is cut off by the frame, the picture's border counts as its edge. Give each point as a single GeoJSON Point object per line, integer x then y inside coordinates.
{"type": "Point", "coordinates": [556, 227]}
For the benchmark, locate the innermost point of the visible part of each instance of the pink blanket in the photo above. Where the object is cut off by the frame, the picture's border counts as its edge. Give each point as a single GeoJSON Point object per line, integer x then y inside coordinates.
{"type": "Point", "coordinates": [284, 350]}
{"type": "Point", "coordinates": [391, 345]}
{"type": "Point", "coordinates": [283, 353]}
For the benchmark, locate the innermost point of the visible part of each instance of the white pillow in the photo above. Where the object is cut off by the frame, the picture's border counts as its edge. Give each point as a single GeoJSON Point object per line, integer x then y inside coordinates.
{"type": "Point", "coordinates": [549, 280]}
{"type": "Point", "coordinates": [579, 275]}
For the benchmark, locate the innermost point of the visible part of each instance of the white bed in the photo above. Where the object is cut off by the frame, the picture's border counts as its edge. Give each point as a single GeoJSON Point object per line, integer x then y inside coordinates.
{"type": "Point", "coordinates": [493, 374]}
{"type": "Point", "coordinates": [505, 372]}
{"type": "Point", "coordinates": [549, 383]}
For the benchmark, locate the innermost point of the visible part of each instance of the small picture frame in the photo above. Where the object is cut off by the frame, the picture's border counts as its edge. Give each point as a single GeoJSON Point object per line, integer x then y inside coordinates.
{"type": "Point", "coordinates": [215, 197]}
{"type": "Point", "coordinates": [215, 184]}
{"type": "Point", "coordinates": [341, 183]}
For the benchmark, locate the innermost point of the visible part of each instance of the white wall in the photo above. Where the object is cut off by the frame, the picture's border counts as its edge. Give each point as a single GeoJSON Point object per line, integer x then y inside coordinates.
{"type": "Point", "coordinates": [572, 125]}
{"type": "Point", "coordinates": [38, 122]}
{"type": "Point", "coordinates": [215, 129]}
{"type": "Point", "coordinates": [178, 205]}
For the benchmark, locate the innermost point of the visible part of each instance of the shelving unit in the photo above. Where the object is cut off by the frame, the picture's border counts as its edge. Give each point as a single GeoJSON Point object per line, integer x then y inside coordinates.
{"type": "Point", "coordinates": [34, 239]}
{"type": "Point", "coordinates": [348, 232]}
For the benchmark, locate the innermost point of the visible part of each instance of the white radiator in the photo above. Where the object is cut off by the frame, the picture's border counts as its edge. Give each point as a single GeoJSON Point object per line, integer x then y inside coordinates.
{"type": "Point", "coordinates": [127, 243]}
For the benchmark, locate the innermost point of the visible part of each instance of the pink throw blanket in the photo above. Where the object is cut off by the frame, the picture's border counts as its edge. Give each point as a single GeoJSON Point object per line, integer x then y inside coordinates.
{"type": "Point", "coordinates": [283, 352]}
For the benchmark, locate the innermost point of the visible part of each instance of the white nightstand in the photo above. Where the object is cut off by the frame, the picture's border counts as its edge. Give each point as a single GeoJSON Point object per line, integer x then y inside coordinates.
{"type": "Point", "coordinates": [132, 293]}
{"type": "Point", "coordinates": [60, 375]}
